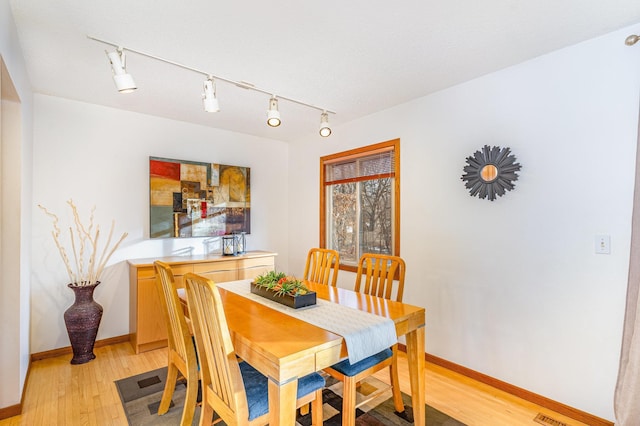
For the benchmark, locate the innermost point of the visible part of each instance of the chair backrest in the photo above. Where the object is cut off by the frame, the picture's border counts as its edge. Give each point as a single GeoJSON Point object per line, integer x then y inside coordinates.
{"type": "Point", "coordinates": [222, 383]}
{"type": "Point", "coordinates": [178, 332]}
{"type": "Point", "coordinates": [380, 271]}
{"type": "Point", "coordinates": [322, 266]}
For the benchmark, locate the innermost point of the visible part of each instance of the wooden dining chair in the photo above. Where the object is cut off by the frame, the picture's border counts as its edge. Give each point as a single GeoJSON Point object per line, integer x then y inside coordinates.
{"type": "Point", "coordinates": [376, 275]}
{"type": "Point", "coordinates": [182, 352]}
{"type": "Point", "coordinates": [233, 389]}
{"type": "Point", "coordinates": [322, 266]}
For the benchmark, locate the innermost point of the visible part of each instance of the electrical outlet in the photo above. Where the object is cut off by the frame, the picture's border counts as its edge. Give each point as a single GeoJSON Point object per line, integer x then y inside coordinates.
{"type": "Point", "coordinates": [602, 244]}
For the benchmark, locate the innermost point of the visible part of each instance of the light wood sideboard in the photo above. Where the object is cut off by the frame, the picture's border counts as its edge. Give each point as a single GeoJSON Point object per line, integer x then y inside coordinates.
{"type": "Point", "coordinates": [147, 328]}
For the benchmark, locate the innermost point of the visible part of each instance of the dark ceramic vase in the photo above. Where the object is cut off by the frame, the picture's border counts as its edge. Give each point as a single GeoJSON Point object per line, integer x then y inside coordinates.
{"type": "Point", "coordinates": [82, 320]}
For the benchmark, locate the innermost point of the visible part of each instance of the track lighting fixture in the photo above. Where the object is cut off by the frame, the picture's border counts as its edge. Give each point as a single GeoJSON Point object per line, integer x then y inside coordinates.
{"type": "Point", "coordinates": [273, 115]}
{"type": "Point", "coordinates": [325, 130]}
{"type": "Point", "coordinates": [124, 82]}
{"type": "Point", "coordinates": [209, 98]}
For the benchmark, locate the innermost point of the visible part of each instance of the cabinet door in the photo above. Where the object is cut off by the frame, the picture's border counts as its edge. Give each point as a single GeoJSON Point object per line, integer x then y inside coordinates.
{"type": "Point", "coordinates": [248, 269]}
{"type": "Point", "coordinates": [219, 272]}
{"type": "Point", "coordinates": [151, 322]}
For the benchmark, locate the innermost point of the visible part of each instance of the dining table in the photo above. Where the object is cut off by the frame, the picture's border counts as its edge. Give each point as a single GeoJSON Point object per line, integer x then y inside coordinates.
{"type": "Point", "coordinates": [284, 348]}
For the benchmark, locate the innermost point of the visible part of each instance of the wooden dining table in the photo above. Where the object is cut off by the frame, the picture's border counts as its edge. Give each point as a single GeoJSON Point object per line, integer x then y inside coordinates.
{"type": "Point", "coordinates": [284, 348]}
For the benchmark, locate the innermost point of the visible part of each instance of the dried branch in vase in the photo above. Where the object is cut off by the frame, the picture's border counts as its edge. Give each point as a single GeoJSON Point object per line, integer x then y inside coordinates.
{"type": "Point", "coordinates": [89, 259]}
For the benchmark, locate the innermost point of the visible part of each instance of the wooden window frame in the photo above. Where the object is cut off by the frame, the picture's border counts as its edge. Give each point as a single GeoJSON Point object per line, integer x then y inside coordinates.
{"type": "Point", "coordinates": [364, 151]}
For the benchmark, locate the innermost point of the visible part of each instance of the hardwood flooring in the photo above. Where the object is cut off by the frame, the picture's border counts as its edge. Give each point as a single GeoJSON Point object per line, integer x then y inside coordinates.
{"type": "Point", "coordinates": [59, 393]}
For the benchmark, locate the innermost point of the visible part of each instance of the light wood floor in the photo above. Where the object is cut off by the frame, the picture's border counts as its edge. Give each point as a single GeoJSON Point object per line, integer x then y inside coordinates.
{"type": "Point", "coordinates": [59, 393]}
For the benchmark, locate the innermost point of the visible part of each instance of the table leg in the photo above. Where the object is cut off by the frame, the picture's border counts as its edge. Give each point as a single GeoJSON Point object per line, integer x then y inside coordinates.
{"type": "Point", "coordinates": [415, 355]}
{"type": "Point", "coordinates": [282, 402]}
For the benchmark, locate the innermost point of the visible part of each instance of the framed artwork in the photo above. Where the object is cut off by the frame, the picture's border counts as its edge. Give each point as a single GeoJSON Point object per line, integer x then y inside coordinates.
{"type": "Point", "coordinates": [196, 199]}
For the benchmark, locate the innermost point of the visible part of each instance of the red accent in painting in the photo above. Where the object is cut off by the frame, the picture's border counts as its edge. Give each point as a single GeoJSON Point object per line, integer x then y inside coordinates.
{"type": "Point", "coordinates": [203, 209]}
{"type": "Point", "coordinates": [164, 169]}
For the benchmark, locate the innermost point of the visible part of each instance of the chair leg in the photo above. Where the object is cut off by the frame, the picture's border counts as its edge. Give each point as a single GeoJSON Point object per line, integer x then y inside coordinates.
{"type": "Point", "coordinates": [316, 409]}
{"type": "Point", "coordinates": [349, 402]}
{"type": "Point", "coordinates": [395, 383]}
{"type": "Point", "coordinates": [304, 410]}
{"type": "Point", "coordinates": [206, 415]}
{"type": "Point", "coordinates": [169, 387]}
{"type": "Point", "coordinates": [189, 402]}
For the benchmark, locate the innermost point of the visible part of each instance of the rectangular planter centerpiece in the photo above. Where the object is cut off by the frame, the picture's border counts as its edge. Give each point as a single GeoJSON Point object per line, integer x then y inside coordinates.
{"type": "Point", "coordinates": [299, 301]}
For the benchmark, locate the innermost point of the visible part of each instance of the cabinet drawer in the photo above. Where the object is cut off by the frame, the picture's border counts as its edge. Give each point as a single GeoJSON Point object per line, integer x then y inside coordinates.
{"type": "Point", "coordinates": [251, 273]}
{"type": "Point", "coordinates": [257, 261]}
{"type": "Point", "coordinates": [221, 276]}
{"type": "Point", "coordinates": [181, 269]}
{"type": "Point", "coordinates": [205, 268]}
{"type": "Point", "coordinates": [149, 272]}
{"type": "Point", "coordinates": [146, 272]}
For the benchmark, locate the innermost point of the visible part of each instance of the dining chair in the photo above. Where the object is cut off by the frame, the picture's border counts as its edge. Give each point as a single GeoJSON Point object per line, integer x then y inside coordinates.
{"type": "Point", "coordinates": [233, 389]}
{"type": "Point", "coordinates": [181, 349]}
{"type": "Point", "coordinates": [376, 276]}
{"type": "Point", "coordinates": [322, 265]}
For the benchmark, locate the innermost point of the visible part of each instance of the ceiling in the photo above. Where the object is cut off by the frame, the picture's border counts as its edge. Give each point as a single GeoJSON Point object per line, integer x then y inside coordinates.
{"type": "Point", "coordinates": [352, 57]}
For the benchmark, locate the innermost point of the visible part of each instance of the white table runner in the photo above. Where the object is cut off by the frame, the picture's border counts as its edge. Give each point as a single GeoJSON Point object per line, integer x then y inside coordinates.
{"type": "Point", "coordinates": [365, 334]}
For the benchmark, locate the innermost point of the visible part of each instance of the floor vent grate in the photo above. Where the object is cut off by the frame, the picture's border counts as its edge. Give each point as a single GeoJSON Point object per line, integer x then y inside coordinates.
{"type": "Point", "coordinates": [546, 420]}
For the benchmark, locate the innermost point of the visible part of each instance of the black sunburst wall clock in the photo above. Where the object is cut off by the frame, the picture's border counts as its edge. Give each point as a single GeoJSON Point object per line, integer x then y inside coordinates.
{"type": "Point", "coordinates": [490, 172]}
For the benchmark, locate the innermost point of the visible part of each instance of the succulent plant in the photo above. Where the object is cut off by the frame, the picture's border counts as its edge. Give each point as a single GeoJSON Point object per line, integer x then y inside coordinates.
{"type": "Point", "coordinates": [281, 284]}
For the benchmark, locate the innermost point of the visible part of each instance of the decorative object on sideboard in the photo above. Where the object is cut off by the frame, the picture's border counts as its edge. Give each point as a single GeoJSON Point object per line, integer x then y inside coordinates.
{"type": "Point", "coordinates": [241, 241]}
{"type": "Point", "coordinates": [82, 319]}
{"type": "Point", "coordinates": [490, 172]}
{"type": "Point", "coordinates": [229, 245]}
{"type": "Point", "coordinates": [284, 289]}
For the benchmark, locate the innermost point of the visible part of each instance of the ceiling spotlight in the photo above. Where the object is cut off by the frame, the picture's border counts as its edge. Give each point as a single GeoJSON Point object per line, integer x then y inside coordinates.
{"type": "Point", "coordinates": [209, 98]}
{"type": "Point", "coordinates": [325, 130]}
{"type": "Point", "coordinates": [273, 115]}
{"type": "Point", "coordinates": [124, 82]}
{"type": "Point", "coordinates": [631, 40]}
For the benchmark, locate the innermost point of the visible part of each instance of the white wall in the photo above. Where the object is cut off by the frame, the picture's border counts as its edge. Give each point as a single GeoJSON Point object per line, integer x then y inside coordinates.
{"type": "Point", "coordinates": [100, 156]}
{"type": "Point", "coordinates": [513, 288]}
{"type": "Point", "coordinates": [16, 143]}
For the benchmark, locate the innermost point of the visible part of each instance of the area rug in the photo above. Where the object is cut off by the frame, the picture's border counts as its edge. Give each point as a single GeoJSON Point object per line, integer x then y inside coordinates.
{"type": "Point", "coordinates": [141, 394]}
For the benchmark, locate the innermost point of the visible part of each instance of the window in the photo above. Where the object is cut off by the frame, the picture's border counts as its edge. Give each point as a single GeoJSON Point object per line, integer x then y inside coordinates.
{"type": "Point", "coordinates": [360, 202]}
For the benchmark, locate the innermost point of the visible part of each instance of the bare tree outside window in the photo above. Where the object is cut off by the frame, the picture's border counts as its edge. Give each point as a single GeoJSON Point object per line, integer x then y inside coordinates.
{"type": "Point", "coordinates": [344, 220]}
{"type": "Point", "coordinates": [375, 216]}
{"type": "Point", "coordinates": [360, 202]}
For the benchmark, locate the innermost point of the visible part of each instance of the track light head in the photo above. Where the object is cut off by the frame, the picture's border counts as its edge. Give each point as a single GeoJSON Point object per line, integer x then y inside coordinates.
{"type": "Point", "coordinates": [631, 40]}
{"type": "Point", "coordinates": [325, 130]}
{"type": "Point", "coordinates": [209, 99]}
{"type": "Point", "coordinates": [124, 82]}
{"type": "Point", "coordinates": [273, 115]}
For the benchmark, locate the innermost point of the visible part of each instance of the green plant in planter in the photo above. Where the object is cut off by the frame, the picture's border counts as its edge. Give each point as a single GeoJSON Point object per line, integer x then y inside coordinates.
{"type": "Point", "coordinates": [270, 279]}
{"type": "Point", "coordinates": [281, 284]}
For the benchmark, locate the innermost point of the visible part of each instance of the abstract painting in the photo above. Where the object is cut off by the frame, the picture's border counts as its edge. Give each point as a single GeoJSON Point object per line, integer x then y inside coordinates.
{"type": "Point", "coordinates": [196, 199]}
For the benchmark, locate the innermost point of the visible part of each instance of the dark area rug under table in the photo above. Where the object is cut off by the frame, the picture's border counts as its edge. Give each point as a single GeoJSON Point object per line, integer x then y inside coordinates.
{"type": "Point", "coordinates": [141, 394]}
